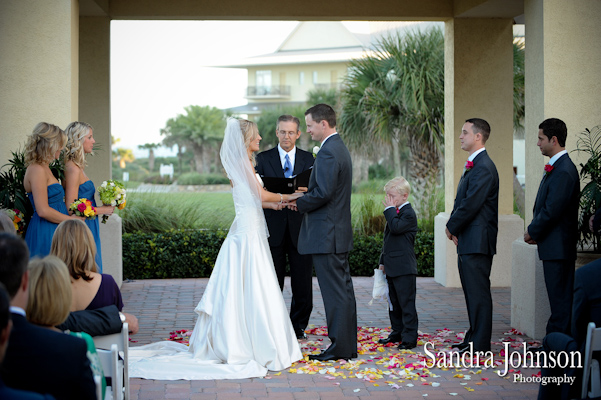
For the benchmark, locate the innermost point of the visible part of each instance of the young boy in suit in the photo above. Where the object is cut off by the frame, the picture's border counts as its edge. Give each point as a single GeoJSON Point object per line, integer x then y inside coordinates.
{"type": "Point", "coordinates": [399, 264]}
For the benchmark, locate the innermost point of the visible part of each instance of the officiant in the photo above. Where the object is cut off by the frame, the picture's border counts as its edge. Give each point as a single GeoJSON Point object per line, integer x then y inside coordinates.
{"type": "Point", "coordinates": [285, 161]}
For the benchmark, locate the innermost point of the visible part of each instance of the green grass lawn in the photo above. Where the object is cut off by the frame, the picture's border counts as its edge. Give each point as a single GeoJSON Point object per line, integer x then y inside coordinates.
{"type": "Point", "coordinates": [157, 212]}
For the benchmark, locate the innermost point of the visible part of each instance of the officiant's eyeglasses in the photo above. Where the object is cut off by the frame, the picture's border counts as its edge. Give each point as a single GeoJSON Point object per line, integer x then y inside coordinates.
{"type": "Point", "coordinates": [284, 133]}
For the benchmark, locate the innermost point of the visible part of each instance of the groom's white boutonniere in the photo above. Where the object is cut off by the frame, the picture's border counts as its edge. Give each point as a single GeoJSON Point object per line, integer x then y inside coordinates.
{"type": "Point", "coordinates": [316, 150]}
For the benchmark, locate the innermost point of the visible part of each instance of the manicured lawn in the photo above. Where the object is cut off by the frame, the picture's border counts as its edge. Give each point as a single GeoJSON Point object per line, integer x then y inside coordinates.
{"type": "Point", "coordinates": [191, 210]}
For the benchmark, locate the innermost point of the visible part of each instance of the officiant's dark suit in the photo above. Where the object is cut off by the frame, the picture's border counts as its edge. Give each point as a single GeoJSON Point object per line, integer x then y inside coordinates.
{"type": "Point", "coordinates": [284, 227]}
{"type": "Point", "coordinates": [326, 231]}
{"type": "Point", "coordinates": [554, 226]}
{"type": "Point", "coordinates": [474, 225]}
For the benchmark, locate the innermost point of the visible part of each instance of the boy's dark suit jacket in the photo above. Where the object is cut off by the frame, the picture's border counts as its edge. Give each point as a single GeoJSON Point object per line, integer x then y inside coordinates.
{"type": "Point", "coordinates": [269, 164]}
{"type": "Point", "coordinates": [474, 219]}
{"type": "Point", "coordinates": [46, 361]}
{"type": "Point", "coordinates": [398, 254]}
{"type": "Point", "coordinates": [554, 225]}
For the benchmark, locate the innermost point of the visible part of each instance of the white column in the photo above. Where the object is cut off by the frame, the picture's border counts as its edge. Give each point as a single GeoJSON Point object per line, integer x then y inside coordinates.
{"type": "Point", "coordinates": [38, 67]}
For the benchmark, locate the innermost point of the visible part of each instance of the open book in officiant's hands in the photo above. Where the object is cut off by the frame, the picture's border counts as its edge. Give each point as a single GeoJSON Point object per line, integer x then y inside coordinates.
{"type": "Point", "coordinates": [287, 185]}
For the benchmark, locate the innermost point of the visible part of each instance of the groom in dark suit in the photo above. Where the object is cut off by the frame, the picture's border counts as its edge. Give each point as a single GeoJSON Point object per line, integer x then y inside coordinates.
{"type": "Point", "coordinates": [473, 227]}
{"type": "Point", "coordinates": [326, 231]}
{"type": "Point", "coordinates": [554, 226]}
{"type": "Point", "coordinates": [287, 160]}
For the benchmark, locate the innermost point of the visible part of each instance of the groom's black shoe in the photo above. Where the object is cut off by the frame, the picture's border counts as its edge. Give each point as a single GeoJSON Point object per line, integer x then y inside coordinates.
{"type": "Point", "coordinates": [389, 339]}
{"type": "Point", "coordinates": [460, 345]}
{"type": "Point", "coordinates": [324, 356]}
{"type": "Point", "coordinates": [301, 335]}
{"type": "Point", "coordinates": [407, 346]}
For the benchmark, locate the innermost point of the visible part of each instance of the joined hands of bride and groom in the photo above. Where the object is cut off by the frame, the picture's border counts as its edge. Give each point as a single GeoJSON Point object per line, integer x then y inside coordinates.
{"type": "Point", "coordinates": [289, 201]}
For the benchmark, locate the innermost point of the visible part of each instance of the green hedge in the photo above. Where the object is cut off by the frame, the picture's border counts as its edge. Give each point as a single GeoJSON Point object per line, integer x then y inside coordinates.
{"type": "Point", "coordinates": [192, 254]}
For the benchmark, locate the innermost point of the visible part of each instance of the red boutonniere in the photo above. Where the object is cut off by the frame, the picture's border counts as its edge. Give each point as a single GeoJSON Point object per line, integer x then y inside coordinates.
{"type": "Point", "coordinates": [469, 165]}
{"type": "Point", "coordinates": [548, 169]}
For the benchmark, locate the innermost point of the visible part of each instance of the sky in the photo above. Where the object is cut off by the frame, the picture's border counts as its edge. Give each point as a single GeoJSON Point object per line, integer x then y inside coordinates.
{"type": "Point", "coordinates": [160, 67]}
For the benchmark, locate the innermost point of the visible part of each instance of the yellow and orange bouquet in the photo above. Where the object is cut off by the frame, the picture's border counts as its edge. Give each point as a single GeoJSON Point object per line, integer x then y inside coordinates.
{"type": "Point", "coordinates": [18, 220]}
{"type": "Point", "coordinates": [112, 193]}
{"type": "Point", "coordinates": [83, 208]}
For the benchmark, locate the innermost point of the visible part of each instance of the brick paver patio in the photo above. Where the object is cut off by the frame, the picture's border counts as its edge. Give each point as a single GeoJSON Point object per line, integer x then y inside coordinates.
{"type": "Point", "coordinates": [163, 306]}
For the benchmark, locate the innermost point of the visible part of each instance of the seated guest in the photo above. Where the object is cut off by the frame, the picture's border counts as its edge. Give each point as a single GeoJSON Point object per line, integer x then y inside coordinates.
{"type": "Point", "coordinates": [49, 302]}
{"type": "Point", "coordinates": [6, 224]}
{"type": "Point", "coordinates": [586, 308]}
{"type": "Point", "coordinates": [74, 244]}
{"type": "Point", "coordinates": [5, 327]}
{"type": "Point", "coordinates": [39, 359]}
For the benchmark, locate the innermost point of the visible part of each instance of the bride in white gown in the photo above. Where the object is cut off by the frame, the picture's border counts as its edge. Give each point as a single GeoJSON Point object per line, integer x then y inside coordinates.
{"type": "Point", "coordinates": [243, 328]}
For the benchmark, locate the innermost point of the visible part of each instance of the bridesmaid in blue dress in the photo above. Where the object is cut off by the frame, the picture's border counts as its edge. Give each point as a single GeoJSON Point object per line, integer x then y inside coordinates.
{"type": "Point", "coordinates": [77, 184]}
{"type": "Point", "coordinates": [44, 191]}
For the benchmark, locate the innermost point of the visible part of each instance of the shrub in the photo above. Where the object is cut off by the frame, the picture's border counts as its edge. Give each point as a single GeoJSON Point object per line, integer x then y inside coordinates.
{"type": "Point", "coordinates": [173, 254]}
{"type": "Point", "coordinates": [156, 178]}
{"type": "Point", "coordinates": [194, 178]}
{"type": "Point", "coordinates": [192, 254]}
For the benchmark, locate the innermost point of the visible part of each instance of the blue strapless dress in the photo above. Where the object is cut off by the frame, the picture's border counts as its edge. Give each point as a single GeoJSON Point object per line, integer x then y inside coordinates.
{"type": "Point", "coordinates": [87, 191]}
{"type": "Point", "coordinates": [40, 231]}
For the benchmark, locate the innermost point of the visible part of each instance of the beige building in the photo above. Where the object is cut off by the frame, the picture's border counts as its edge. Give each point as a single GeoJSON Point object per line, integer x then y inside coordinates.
{"type": "Point", "coordinates": [314, 56]}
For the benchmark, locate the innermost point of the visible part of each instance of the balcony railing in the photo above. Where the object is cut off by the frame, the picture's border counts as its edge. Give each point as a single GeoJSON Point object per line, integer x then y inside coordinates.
{"type": "Point", "coordinates": [257, 91]}
{"type": "Point", "coordinates": [326, 86]}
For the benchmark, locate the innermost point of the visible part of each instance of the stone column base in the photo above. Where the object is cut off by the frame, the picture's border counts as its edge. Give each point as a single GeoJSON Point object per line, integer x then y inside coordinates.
{"type": "Point", "coordinates": [530, 308]}
{"type": "Point", "coordinates": [112, 250]}
{"type": "Point", "coordinates": [445, 253]}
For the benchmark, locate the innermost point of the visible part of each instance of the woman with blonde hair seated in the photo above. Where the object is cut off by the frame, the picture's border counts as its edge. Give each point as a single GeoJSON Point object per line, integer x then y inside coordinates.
{"type": "Point", "coordinates": [74, 244]}
{"type": "Point", "coordinates": [49, 301]}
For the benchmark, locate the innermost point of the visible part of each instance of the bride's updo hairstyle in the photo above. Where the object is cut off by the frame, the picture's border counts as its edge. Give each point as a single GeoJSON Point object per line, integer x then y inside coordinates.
{"type": "Point", "coordinates": [45, 140]}
{"type": "Point", "coordinates": [250, 132]}
{"type": "Point", "coordinates": [76, 134]}
{"type": "Point", "coordinates": [74, 244]}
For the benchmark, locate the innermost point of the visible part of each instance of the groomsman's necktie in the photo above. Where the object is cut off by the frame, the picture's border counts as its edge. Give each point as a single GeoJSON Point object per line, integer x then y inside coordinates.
{"type": "Point", "coordinates": [287, 167]}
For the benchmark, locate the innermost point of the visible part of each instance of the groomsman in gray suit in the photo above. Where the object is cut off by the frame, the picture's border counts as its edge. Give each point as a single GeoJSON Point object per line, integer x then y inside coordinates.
{"type": "Point", "coordinates": [473, 227]}
{"type": "Point", "coordinates": [326, 231]}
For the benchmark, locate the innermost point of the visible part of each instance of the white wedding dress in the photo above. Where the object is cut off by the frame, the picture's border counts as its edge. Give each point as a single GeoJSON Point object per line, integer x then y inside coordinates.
{"type": "Point", "coordinates": [243, 328]}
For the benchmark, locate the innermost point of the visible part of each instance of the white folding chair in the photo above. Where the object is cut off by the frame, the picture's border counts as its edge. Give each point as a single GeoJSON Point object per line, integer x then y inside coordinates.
{"type": "Point", "coordinates": [591, 366]}
{"type": "Point", "coordinates": [98, 383]}
{"type": "Point", "coordinates": [122, 341]}
{"type": "Point", "coordinates": [112, 369]}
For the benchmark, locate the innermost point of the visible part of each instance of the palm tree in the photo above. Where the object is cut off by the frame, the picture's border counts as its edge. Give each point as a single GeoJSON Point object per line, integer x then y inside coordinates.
{"type": "Point", "coordinates": [518, 88]}
{"type": "Point", "coordinates": [201, 130]}
{"type": "Point", "coordinates": [123, 156]}
{"type": "Point", "coordinates": [397, 97]}
{"type": "Point", "coordinates": [150, 147]}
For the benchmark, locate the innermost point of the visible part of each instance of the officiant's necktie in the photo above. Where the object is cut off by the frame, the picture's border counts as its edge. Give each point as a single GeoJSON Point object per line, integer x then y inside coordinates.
{"type": "Point", "coordinates": [287, 167]}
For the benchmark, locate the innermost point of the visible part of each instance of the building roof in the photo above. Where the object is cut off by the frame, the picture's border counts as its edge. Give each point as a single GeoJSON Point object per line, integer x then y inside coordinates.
{"type": "Point", "coordinates": [329, 41]}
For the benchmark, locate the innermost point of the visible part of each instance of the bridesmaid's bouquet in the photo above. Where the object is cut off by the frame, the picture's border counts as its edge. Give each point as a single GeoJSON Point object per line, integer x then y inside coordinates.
{"type": "Point", "coordinates": [83, 208]}
{"type": "Point", "coordinates": [18, 220]}
{"type": "Point", "coordinates": [112, 193]}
